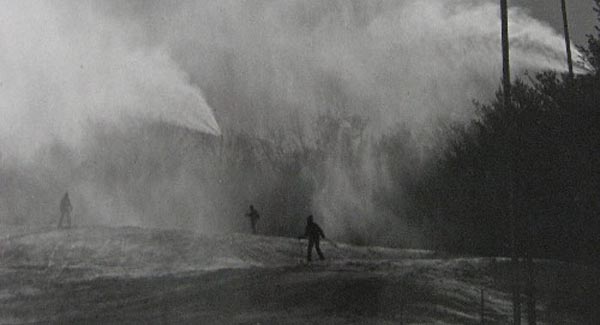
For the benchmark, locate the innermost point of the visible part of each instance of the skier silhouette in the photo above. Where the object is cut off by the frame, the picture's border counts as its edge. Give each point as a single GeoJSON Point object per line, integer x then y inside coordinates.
{"type": "Point", "coordinates": [314, 233]}
{"type": "Point", "coordinates": [65, 211]}
{"type": "Point", "coordinates": [254, 216]}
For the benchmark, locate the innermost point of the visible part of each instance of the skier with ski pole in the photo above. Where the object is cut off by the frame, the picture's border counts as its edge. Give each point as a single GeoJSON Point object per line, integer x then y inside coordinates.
{"type": "Point", "coordinates": [313, 233]}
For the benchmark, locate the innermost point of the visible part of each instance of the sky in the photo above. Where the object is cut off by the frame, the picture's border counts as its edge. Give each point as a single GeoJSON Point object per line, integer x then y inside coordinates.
{"type": "Point", "coordinates": [581, 16]}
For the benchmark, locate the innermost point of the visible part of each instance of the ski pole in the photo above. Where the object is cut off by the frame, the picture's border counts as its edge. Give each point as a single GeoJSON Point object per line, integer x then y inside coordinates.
{"type": "Point", "coordinates": [332, 243]}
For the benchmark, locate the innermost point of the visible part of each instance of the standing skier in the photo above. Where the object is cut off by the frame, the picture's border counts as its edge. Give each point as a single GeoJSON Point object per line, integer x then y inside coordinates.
{"type": "Point", "coordinates": [254, 216]}
{"type": "Point", "coordinates": [65, 210]}
{"type": "Point", "coordinates": [314, 233]}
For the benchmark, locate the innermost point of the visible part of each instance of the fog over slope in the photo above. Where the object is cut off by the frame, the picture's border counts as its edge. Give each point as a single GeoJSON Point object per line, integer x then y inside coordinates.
{"type": "Point", "coordinates": [111, 100]}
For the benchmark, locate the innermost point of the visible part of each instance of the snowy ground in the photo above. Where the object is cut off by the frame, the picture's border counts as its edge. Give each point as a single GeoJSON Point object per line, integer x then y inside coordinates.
{"type": "Point", "coordinates": [133, 275]}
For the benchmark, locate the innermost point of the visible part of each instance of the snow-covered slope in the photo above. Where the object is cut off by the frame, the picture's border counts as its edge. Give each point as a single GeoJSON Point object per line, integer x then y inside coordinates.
{"type": "Point", "coordinates": [133, 251]}
{"type": "Point", "coordinates": [148, 276]}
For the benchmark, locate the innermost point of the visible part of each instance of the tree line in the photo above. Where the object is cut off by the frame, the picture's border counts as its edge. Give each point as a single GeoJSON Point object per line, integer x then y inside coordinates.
{"type": "Point", "coordinates": [543, 149]}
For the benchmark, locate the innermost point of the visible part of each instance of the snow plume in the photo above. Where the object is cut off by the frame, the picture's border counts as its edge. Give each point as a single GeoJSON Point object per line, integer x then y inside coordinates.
{"type": "Point", "coordinates": [65, 71]}
{"type": "Point", "coordinates": [63, 66]}
{"type": "Point", "coordinates": [267, 67]}
{"type": "Point", "coordinates": [393, 61]}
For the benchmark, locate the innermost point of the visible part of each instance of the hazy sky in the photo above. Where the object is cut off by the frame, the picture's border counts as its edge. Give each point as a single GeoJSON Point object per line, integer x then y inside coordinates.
{"type": "Point", "coordinates": [581, 16]}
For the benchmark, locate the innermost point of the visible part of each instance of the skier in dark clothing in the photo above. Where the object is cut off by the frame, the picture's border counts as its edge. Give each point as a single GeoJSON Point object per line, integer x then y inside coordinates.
{"type": "Point", "coordinates": [65, 211]}
{"type": "Point", "coordinates": [254, 216]}
{"type": "Point", "coordinates": [314, 233]}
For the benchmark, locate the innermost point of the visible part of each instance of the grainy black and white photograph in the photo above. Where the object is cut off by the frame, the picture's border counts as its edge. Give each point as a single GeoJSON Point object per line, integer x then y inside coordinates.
{"type": "Point", "coordinates": [300, 162]}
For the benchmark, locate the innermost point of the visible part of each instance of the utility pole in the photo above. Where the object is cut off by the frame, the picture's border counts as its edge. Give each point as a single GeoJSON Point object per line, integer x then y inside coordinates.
{"type": "Point", "coordinates": [567, 38]}
{"type": "Point", "coordinates": [505, 53]}
{"type": "Point", "coordinates": [509, 157]}
{"type": "Point", "coordinates": [531, 291]}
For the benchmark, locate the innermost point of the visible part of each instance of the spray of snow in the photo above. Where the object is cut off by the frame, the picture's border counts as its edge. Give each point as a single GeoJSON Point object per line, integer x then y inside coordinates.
{"type": "Point", "coordinates": [64, 66]}
{"type": "Point", "coordinates": [263, 65]}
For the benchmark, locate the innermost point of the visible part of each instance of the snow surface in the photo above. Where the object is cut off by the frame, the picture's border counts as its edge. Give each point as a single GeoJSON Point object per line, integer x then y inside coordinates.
{"type": "Point", "coordinates": [133, 275]}
{"type": "Point", "coordinates": [131, 251]}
